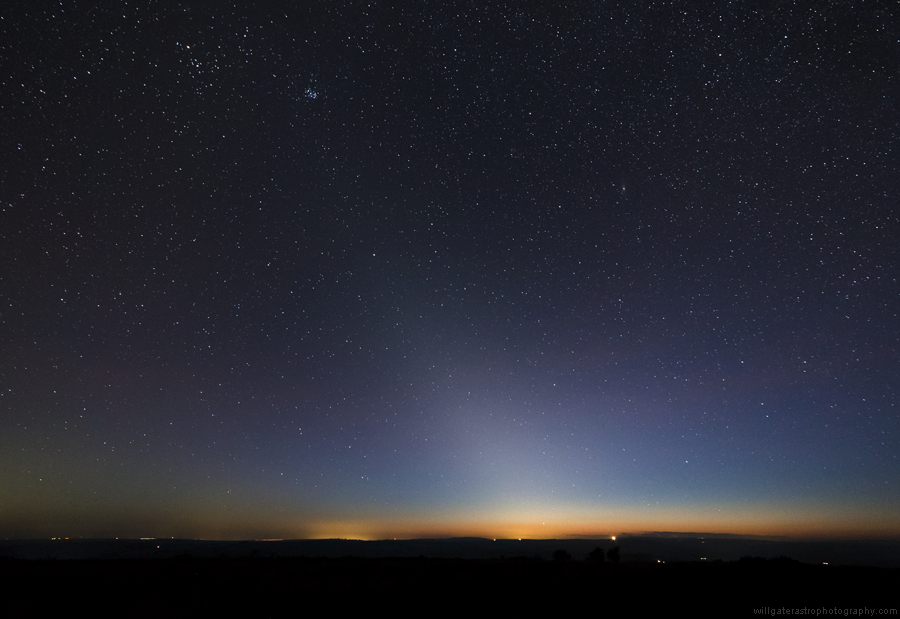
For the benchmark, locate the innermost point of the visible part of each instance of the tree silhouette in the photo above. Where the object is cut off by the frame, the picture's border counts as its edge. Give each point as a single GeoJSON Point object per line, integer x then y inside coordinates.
{"type": "Point", "coordinates": [561, 555]}
{"type": "Point", "coordinates": [597, 555]}
{"type": "Point", "coordinates": [613, 554]}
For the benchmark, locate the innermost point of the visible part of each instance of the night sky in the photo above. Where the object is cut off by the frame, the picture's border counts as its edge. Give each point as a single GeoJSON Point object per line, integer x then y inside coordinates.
{"type": "Point", "coordinates": [342, 269]}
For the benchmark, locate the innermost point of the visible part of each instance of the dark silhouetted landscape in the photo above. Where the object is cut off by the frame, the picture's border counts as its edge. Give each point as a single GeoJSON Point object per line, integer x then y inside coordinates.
{"type": "Point", "coordinates": [190, 578]}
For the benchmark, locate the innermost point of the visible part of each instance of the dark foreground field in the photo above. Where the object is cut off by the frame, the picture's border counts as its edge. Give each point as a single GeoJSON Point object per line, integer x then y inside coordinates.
{"type": "Point", "coordinates": [259, 587]}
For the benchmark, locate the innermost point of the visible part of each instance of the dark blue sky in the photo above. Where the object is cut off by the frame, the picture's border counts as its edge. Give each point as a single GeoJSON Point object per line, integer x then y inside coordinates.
{"type": "Point", "coordinates": [350, 270]}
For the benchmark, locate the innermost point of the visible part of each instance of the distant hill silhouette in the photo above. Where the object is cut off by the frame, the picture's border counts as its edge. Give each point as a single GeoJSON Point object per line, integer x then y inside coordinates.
{"type": "Point", "coordinates": [648, 549]}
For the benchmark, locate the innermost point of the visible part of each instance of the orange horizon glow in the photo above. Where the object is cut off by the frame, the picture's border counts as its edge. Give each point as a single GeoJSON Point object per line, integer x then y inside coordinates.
{"type": "Point", "coordinates": [560, 524]}
{"type": "Point", "coordinates": [544, 530]}
{"type": "Point", "coordinates": [775, 521]}
{"type": "Point", "coordinates": [269, 518]}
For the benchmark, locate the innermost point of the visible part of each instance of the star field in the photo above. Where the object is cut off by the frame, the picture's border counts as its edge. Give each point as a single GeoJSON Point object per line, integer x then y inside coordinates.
{"type": "Point", "coordinates": [346, 269]}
